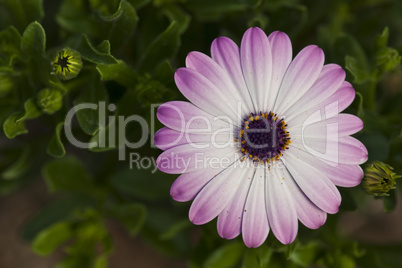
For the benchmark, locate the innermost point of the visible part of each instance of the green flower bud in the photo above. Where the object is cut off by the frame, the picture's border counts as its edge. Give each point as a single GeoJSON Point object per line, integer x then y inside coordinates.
{"type": "Point", "coordinates": [379, 179]}
{"type": "Point", "coordinates": [67, 64]}
{"type": "Point", "coordinates": [50, 100]}
{"type": "Point", "coordinates": [6, 84]}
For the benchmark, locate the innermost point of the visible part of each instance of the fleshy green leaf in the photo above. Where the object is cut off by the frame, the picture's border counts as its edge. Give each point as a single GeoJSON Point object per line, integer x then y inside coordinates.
{"type": "Point", "coordinates": [162, 48]}
{"type": "Point", "coordinates": [10, 40]}
{"type": "Point", "coordinates": [136, 181]}
{"type": "Point", "coordinates": [131, 215]}
{"type": "Point", "coordinates": [21, 12]}
{"type": "Point", "coordinates": [103, 139]}
{"type": "Point", "coordinates": [31, 111]}
{"type": "Point", "coordinates": [57, 210]}
{"type": "Point", "coordinates": [304, 255]}
{"type": "Point", "coordinates": [12, 127]}
{"type": "Point", "coordinates": [388, 59]}
{"type": "Point", "coordinates": [348, 45]}
{"type": "Point", "coordinates": [19, 167]}
{"type": "Point", "coordinates": [257, 257]}
{"type": "Point", "coordinates": [175, 229]}
{"type": "Point", "coordinates": [381, 40]}
{"type": "Point", "coordinates": [93, 95]}
{"type": "Point", "coordinates": [15, 123]}
{"type": "Point", "coordinates": [137, 4]}
{"type": "Point", "coordinates": [119, 27]}
{"type": "Point", "coordinates": [359, 72]}
{"type": "Point", "coordinates": [67, 174]}
{"type": "Point", "coordinates": [33, 41]}
{"type": "Point", "coordinates": [55, 147]}
{"type": "Point", "coordinates": [212, 9]}
{"type": "Point", "coordinates": [175, 13]}
{"type": "Point", "coordinates": [226, 256]}
{"type": "Point", "coordinates": [119, 72]}
{"type": "Point", "coordinates": [90, 53]}
{"type": "Point", "coordinates": [49, 239]}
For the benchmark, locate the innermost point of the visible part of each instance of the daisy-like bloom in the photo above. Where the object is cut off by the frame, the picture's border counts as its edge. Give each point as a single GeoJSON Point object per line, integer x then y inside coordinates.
{"type": "Point", "coordinates": [262, 143]}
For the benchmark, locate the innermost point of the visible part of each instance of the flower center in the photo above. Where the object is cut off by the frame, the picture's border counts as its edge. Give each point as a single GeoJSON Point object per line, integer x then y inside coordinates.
{"type": "Point", "coordinates": [263, 137]}
{"type": "Point", "coordinates": [63, 62]}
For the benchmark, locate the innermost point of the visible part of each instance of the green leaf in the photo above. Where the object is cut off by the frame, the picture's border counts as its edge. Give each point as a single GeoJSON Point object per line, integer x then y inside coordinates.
{"type": "Point", "coordinates": [304, 255]}
{"type": "Point", "coordinates": [388, 59]}
{"type": "Point", "coordinates": [119, 27]}
{"type": "Point", "coordinates": [158, 222]}
{"type": "Point", "coordinates": [30, 111]}
{"type": "Point", "coordinates": [175, 229]}
{"type": "Point", "coordinates": [90, 53]}
{"type": "Point", "coordinates": [15, 123]}
{"type": "Point", "coordinates": [381, 40]}
{"type": "Point", "coordinates": [257, 257]}
{"type": "Point", "coordinates": [10, 40]}
{"type": "Point", "coordinates": [21, 12]}
{"type": "Point", "coordinates": [101, 261]}
{"type": "Point", "coordinates": [73, 16]}
{"type": "Point", "coordinates": [105, 139]}
{"type": "Point", "coordinates": [67, 174]}
{"type": "Point", "coordinates": [344, 261]}
{"type": "Point", "coordinates": [19, 167]}
{"type": "Point", "coordinates": [175, 13]}
{"type": "Point", "coordinates": [119, 72]}
{"type": "Point", "coordinates": [212, 9]}
{"type": "Point", "coordinates": [92, 96]}
{"type": "Point", "coordinates": [54, 211]}
{"type": "Point", "coordinates": [137, 4]}
{"type": "Point", "coordinates": [360, 108]}
{"type": "Point", "coordinates": [358, 71]}
{"type": "Point", "coordinates": [135, 181]}
{"type": "Point", "coordinates": [33, 41]}
{"type": "Point", "coordinates": [12, 127]}
{"type": "Point", "coordinates": [348, 45]}
{"type": "Point", "coordinates": [226, 256]}
{"type": "Point", "coordinates": [49, 239]}
{"type": "Point", "coordinates": [132, 215]}
{"type": "Point", "coordinates": [55, 146]}
{"type": "Point", "coordinates": [162, 48]}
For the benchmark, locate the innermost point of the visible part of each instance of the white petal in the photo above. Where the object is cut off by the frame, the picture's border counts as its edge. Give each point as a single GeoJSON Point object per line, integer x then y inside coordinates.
{"type": "Point", "coordinates": [299, 77]}
{"type": "Point", "coordinates": [256, 62]}
{"type": "Point", "coordinates": [308, 213]}
{"type": "Point", "coordinates": [226, 53]}
{"type": "Point", "coordinates": [315, 185]}
{"type": "Point", "coordinates": [281, 210]}
{"type": "Point", "coordinates": [255, 226]}
{"type": "Point", "coordinates": [229, 221]}
{"type": "Point", "coordinates": [215, 196]}
{"type": "Point", "coordinates": [281, 48]}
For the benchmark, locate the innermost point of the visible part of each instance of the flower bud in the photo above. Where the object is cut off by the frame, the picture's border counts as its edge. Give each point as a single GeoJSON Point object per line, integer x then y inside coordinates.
{"type": "Point", "coordinates": [50, 100]}
{"type": "Point", "coordinates": [67, 64]}
{"type": "Point", "coordinates": [379, 179]}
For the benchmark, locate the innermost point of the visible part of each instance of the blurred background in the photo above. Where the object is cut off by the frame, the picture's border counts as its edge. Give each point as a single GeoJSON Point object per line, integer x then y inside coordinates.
{"type": "Point", "coordinates": [66, 207]}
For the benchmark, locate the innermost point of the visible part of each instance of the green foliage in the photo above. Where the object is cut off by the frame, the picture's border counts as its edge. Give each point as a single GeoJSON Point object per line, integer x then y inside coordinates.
{"type": "Point", "coordinates": [56, 147]}
{"type": "Point", "coordinates": [47, 241]}
{"type": "Point", "coordinates": [162, 48]}
{"type": "Point", "coordinates": [226, 256]}
{"type": "Point", "coordinates": [67, 174]}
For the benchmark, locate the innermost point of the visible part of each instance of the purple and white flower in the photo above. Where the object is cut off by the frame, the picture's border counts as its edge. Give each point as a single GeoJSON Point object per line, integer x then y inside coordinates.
{"type": "Point", "coordinates": [262, 142]}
